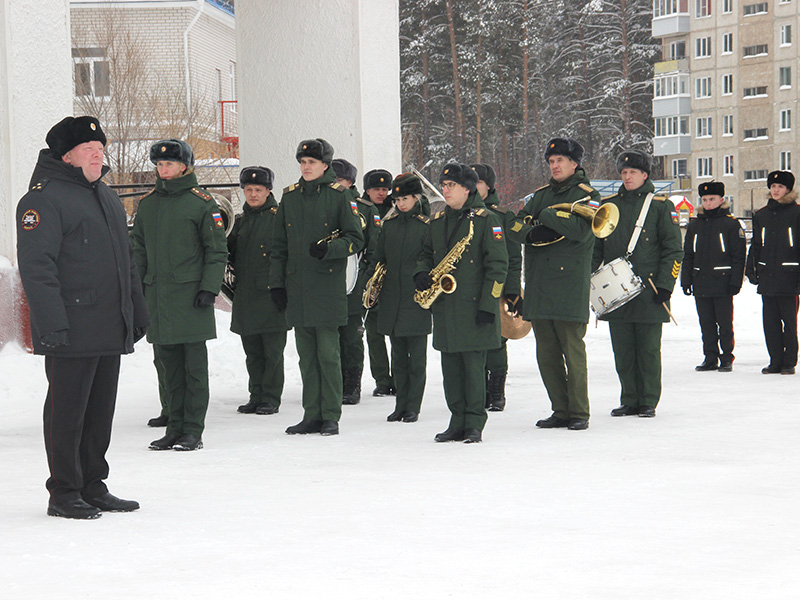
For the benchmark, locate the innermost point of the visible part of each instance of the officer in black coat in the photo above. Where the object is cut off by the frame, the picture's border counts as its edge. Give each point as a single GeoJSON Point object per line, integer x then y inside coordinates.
{"type": "Point", "coordinates": [773, 264]}
{"type": "Point", "coordinates": [86, 308]}
{"type": "Point", "coordinates": [714, 251]}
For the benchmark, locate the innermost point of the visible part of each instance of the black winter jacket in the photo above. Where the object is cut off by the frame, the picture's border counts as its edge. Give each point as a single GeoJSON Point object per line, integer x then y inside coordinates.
{"type": "Point", "coordinates": [774, 258]}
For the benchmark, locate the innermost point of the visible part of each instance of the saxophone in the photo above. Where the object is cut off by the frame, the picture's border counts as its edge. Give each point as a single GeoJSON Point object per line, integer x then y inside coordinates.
{"type": "Point", "coordinates": [373, 288]}
{"type": "Point", "coordinates": [443, 281]}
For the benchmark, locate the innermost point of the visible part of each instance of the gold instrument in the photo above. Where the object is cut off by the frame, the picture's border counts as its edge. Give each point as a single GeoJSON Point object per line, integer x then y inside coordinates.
{"type": "Point", "coordinates": [443, 281]}
{"type": "Point", "coordinates": [334, 235]}
{"type": "Point", "coordinates": [604, 218]}
{"type": "Point", "coordinates": [512, 327]}
{"type": "Point", "coordinates": [373, 288]}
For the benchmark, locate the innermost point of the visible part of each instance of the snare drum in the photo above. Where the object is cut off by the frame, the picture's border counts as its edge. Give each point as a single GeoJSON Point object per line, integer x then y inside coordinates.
{"type": "Point", "coordinates": [351, 273]}
{"type": "Point", "coordinates": [613, 285]}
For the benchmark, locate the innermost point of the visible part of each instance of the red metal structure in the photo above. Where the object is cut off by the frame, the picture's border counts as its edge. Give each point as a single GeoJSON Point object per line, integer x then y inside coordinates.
{"type": "Point", "coordinates": [229, 126]}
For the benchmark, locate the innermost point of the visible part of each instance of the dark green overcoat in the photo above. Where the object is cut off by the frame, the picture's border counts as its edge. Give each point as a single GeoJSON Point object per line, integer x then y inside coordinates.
{"type": "Point", "coordinates": [513, 248]}
{"type": "Point", "coordinates": [657, 255]}
{"type": "Point", "coordinates": [399, 248]}
{"type": "Point", "coordinates": [480, 275]}
{"type": "Point", "coordinates": [249, 246]}
{"type": "Point", "coordinates": [310, 211]}
{"type": "Point", "coordinates": [180, 248]}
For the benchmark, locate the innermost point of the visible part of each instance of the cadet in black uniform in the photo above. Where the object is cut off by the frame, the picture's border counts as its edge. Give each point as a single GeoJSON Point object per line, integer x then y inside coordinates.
{"type": "Point", "coordinates": [86, 309]}
{"type": "Point", "coordinates": [773, 264]}
{"type": "Point", "coordinates": [713, 269]}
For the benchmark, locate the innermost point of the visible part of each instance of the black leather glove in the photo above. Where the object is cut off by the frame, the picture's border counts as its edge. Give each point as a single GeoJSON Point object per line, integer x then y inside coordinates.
{"type": "Point", "coordinates": [752, 278]}
{"type": "Point", "coordinates": [139, 333]}
{"type": "Point", "coordinates": [514, 304]}
{"type": "Point", "coordinates": [541, 234]}
{"type": "Point", "coordinates": [204, 298]}
{"type": "Point", "coordinates": [484, 317]}
{"type": "Point", "coordinates": [278, 296]}
{"type": "Point", "coordinates": [422, 281]}
{"type": "Point", "coordinates": [318, 249]}
{"type": "Point", "coordinates": [662, 296]}
{"type": "Point", "coordinates": [687, 289]}
{"type": "Point", "coordinates": [55, 339]}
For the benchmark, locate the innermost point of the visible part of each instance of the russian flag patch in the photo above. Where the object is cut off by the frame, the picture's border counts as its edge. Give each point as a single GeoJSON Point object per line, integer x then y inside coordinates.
{"type": "Point", "coordinates": [218, 220]}
{"type": "Point", "coordinates": [674, 217]}
{"type": "Point", "coordinates": [497, 233]}
{"type": "Point", "coordinates": [594, 203]}
{"type": "Point", "coordinates": [354, 206]}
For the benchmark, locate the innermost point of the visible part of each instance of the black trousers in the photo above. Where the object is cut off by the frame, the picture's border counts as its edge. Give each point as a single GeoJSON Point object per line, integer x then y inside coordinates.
{"type": "Point", "coordinates": [78, 413]}
{"type": "Point", "coordinates": [779, 314]}
{"type": "Point", "coordinates": [716, 326]}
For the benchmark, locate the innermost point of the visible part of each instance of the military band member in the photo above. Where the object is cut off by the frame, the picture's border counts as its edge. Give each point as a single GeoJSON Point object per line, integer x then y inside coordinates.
{"type": "Point", "coordinates": [181, 252]}
{"type": "Point", "coordinates": [405, 322]}
{"type": "Point", "coordinates": [261, 325]}
{"type": "Point", "coordinates": [351, 336]}
{"type": "Point", "coordinates": [713, 269]}
{"type": "Point", "coordinates": [558, 251]}
{"type": "Point", "coordinates": [307, 279]}
{"type": "Point", "coordinates": [772, 265]}
{"type": "Point", "coordinates": [376, 188]}
{"type": "Point", "coordinates": [635, 327]}
{"type": "Point", "coordinates": [466, 323]}
{"type": "Point", "coordinates": [497, 360]}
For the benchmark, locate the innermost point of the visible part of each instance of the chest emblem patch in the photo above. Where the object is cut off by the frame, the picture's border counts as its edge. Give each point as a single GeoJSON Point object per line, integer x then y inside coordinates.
{"type": "Point", "coordinates": [30, 220]}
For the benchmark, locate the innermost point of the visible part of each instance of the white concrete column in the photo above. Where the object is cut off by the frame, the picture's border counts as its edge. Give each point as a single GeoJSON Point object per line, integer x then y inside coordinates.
{"type": "Point", "coordinates": [35, 93]}
{"type": "Point", "coordinates": [310, 69]}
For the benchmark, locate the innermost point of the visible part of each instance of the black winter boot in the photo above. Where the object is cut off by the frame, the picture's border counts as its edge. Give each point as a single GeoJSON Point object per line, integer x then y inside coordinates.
{"type": "Point", "coordinates": [351, 386]}
{"type": "Point", "coordinates": [496, 390]}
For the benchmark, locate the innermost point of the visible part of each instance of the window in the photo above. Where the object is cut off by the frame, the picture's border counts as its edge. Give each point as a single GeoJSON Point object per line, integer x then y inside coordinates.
{"type": "Point", "coordinates": [727, 168]}
{"type": "Point", "coordinates": [755, 9]}
{"type": "Point", "coordinates": [92, 75]}
{"type": "Point", "coordinates": [786, 35]}
{"type": "Point", "coordinates": [755, 175]}
{"type": "Point", "coordinates": [785, 77]}
{"type": "Point", "coordinates": [727, 84]}
{"type": "Point", "coordinates": [786, 161]}
{"type": "Point", "coordinates": [786, 119]}
{"type": "Point", "coordinates": [679, 168]}
{"type": "Point", "coordinates": [663, 8]}
{"type": "Point", "coordinates": [666, 126]}
{"type": "Point", "coordinates": [702, 87]}
{"type": "Point", "coordinates": [727, 6]}
{"type": "Point", "coordinates": [727, 124]}
{"type": "Point", "coordinates": [756, 134]}
{"type": "Point", "coordinates": [702, 8]}
{"type": "Point", "coordinates": [671, 85]}
{"type": "Point", "coordinates": [677, 50]}
{"type": "Point", "coordinates": [704, 165]}
{"type": "Point", "coordinates": [757, 50]}
{"type": "Point", "coordinates": [755, 92]}
{"type": "Point", "coordinates": [703, 127]}
{"type": "Point", "coordinates": [727, 43]}
{"type": "Point", "coordinates": [702, 47]}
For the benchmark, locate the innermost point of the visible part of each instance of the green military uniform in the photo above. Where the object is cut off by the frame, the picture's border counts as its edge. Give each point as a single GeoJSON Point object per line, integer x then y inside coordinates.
{"type": "Point", "coordinates": [261, 325]}
{"type": "Point", "coordinates": [636, 326]}
{"type": "Point", "coordinates": [497, 359]}
{"type": "Point", "coordinates": [405, 322]}
{"type": "Point", "coordinates": [557, 292]}
{"type": "Point", "coordinates": [351, 335]}
{"type": "Point", "coordinates": [480, 275]}
{"type": "Point", "coordinates": [180, 249]}
{"type": "Point", "coordinates": [317, 300]}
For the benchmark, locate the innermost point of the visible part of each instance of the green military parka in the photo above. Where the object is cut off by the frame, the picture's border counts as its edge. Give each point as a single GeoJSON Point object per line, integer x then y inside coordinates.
{"type": "Point", "coordinates": [512, 285]}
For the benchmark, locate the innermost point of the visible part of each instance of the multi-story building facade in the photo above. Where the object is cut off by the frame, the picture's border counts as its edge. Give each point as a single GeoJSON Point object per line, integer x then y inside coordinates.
{"type": "Point", "coordinates": [725, 92]}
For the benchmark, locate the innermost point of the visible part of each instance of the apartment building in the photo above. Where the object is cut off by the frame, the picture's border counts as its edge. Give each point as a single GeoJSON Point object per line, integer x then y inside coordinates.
{"type": "Point", "coordinates": [725, 92]}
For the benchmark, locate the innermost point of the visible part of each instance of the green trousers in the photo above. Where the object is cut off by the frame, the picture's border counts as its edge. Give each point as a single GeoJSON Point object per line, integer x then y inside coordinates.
{"type": "Point", "coordinates": [409, 363]}
{"type": "Point", "coordinates": [321, 372]}
{"type": "Point", "coordinates": [637, 357]}
{"type": "Point", "coordinates": [162, 390]}
{"type": "Point", "coordinates": [561, 355]}
{"type": "Point", "coordinates": [185, 373]}
{"type": "Point", "coordinates": [351, 342]}
{"type": "Point", "coordinates": [463, 375]}
{"type": "Point", "coordinates": [497, 359]}
{"type": "Point", "coordinates": [264, 361]}
{"type": "Point", "coordinates": [378, 356]}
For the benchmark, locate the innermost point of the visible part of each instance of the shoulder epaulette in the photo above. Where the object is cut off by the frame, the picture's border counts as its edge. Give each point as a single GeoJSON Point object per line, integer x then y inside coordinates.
{"type": "Point", "coordinates": [586, 188]}
{"type": "Point", "coordinates": [424, 218]}
{"type": "Point", "coordinates": [202, 194]}
{"type": "Point", "coordinates": [337, 186]}
{"type": "Point", "coordinates": [659, 198]}
{"type": "Point", "coordinates": [498, 209]}
{"type": "Point", "coordinates": [390, 216]}
{"type": "Point", "coordinates": [362, 201]}
{"type": "Point", "coordinates": [142, 197]}
{"type": "Point", "coordinates": [541, 188]}
{"type": "Point", "coordinates": [607, 198]}
{"type": "Point", "coordinates": [482, 212]}
{"type": "Point", "coordinates": [291, 188]}
{"type": "Point", "coordinates": [273, 210]}
{"type": "Point", "coordinates": [438, 215]}
{"type": "Point", "coordinates": [39, 185]}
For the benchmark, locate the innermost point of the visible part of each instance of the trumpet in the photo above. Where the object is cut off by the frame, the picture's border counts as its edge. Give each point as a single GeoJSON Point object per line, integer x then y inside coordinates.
{"type": "Point", "coordinates": [603, 219]}
{"type": "Point", "coordinates": [373, 287]}
{"type": "Point", "coordinates": [334, 235]}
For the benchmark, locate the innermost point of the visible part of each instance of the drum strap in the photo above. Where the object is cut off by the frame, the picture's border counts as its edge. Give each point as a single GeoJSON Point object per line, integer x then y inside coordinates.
{"type": "Point", "coordinates": [637, 229]}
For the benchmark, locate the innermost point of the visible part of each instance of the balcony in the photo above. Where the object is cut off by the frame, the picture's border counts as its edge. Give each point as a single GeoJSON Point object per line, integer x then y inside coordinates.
{"type": "Point", "coordinates": [672, 145]}
{"type": "Point", "coordinates": [671, 25]}
{"type": "Point", "coordinates": [672, 106]}
{"type": "Point", "coordinates": [671, 66]}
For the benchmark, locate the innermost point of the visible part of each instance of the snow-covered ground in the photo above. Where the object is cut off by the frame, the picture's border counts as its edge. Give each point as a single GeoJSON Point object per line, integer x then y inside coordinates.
{"type": "Point", "coordinates": [700, 502]}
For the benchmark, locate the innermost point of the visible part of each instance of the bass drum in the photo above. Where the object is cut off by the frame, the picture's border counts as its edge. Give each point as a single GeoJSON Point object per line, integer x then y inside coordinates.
{"type": "Point", "coordinates": [351, 273]}
{"type": "Point", "coordinates": [613, 285]}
